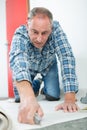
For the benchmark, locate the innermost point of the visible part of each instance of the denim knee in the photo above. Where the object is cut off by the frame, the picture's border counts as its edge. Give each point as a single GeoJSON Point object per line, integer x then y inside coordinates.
{"type": "Point", "coordinates": [51, 98]}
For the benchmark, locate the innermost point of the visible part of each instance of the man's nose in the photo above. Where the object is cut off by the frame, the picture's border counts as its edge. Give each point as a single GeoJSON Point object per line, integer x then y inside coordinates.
{"type": "Point", "coordinates": [39, 38]}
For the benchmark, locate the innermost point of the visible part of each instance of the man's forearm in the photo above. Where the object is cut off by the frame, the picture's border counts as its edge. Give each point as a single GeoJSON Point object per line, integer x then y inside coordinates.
{"type": "Point", "coordinates": [25, 89]}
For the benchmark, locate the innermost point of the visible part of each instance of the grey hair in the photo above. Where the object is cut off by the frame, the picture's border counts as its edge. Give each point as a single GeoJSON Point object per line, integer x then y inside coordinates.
{"type": "Point", "coordinates": [40, 10]}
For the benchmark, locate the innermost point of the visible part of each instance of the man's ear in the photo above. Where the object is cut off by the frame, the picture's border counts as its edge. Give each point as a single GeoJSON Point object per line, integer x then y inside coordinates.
{"type": "Point", "coordinates": [27, 24]}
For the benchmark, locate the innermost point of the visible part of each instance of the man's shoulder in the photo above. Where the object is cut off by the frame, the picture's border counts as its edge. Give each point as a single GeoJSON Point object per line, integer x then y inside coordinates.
{"type": "Point", "coordinates": [56, 26]}
{"type": "Point", "coordinates": [55, 23]}
{"type": "Point", "coordinates": [21, 30]}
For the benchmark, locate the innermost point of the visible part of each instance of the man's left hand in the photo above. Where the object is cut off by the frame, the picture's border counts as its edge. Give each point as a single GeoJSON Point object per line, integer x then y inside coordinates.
{"type": "Point", "coordinates": [69, 104]}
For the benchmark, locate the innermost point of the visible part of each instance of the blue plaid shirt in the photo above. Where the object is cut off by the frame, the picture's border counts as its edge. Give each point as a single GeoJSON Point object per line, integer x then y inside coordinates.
{"type": "Point", "coordinates": [26, 60]}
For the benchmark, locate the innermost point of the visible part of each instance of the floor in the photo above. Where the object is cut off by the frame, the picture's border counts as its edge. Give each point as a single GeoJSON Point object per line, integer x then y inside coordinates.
{"type": "Point", "coordinates": [80, 124]}
{"type": "Point", "coordinates": [52, 120]}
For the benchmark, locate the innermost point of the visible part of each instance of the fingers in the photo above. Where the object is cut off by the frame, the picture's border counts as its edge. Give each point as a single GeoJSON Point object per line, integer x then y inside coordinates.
{"type": "Point", "coordinates": [26, 119]}
{"type": "Point", "coordinates": [59, 107]}
{"type": "Point", "coordinates": [32, 114]}
{"type": "Point", "coordinates": [27, 115]}
{"type": "Point", "coordinates": [70, 107]}
{"type": "Point", "coordinates": [40, 112]}
{"type": "Point", "coordinates": [67, 107]}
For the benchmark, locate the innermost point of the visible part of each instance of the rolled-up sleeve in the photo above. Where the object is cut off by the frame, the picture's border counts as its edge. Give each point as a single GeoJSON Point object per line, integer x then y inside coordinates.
{"type": "Point", "coordinates": [67, 60]}
{"type": "Point", "coordinates": [18, 57]}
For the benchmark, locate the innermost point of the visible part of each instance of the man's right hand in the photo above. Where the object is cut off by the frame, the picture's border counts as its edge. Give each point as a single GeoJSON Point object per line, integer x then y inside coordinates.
{"type": "Point", "coordinates": [28, 103]}
{"type": "Point", "coordinates": [27, 110]}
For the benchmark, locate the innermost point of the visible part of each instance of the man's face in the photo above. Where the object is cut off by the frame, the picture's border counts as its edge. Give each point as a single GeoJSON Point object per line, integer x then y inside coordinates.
{"type": "Point", "coordinates": [39, 29]}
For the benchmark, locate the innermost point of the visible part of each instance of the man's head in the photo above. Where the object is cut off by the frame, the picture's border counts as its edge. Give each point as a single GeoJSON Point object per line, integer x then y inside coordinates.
{"type": "Point", "coordinates": [39, 26]}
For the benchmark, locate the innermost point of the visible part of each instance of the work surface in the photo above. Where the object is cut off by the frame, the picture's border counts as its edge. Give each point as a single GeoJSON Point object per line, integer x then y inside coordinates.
{"type": "Point", "coordinates": [52, 120]}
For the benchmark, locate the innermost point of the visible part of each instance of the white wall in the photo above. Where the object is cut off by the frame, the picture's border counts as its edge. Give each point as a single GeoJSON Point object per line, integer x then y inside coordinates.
{"type": "Point", "coordinates": [72, 15]}
{"type": "Point", "coordinates": [3, 51]}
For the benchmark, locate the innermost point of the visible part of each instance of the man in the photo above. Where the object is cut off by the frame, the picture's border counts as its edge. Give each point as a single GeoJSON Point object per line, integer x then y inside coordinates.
{"type": "Point", "coordinates": [35, 49]}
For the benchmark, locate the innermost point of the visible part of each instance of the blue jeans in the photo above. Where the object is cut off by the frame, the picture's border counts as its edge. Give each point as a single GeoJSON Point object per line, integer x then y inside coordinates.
{"type": "Point", "coordinates": [51, 84]}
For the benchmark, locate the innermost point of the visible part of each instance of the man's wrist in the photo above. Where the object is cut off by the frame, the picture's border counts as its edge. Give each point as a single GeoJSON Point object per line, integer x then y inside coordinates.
{"type": "Point", "coordinates": [70, 97]}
